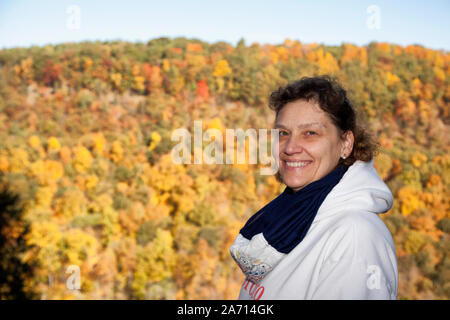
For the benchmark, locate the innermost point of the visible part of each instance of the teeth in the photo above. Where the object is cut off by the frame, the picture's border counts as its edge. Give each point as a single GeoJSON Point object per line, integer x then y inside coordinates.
{"type": "Point", "coordinates": [297, 164]}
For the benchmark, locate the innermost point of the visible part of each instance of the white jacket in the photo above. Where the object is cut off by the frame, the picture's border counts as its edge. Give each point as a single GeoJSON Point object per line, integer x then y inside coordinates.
{"type": "Point", "coordinates": [348, 252]}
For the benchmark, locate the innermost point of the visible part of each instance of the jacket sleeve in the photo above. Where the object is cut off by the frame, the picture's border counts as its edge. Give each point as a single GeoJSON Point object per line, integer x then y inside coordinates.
{"type": "Point", "coordinates": [354, 280]}
{"type": "Point", "coordinates": [361, 265]}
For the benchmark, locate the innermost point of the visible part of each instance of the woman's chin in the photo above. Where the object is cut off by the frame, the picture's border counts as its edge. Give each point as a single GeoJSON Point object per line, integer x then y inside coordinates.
{"type": "Point", "coordinates": [294, 184]}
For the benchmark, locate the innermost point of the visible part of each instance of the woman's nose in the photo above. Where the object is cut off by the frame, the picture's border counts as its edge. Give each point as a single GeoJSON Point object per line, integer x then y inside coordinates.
{"type": "Point", "coordinates": [293, 145]}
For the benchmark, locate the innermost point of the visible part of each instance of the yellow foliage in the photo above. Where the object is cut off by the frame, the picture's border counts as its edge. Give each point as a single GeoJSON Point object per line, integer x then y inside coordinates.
{"type": "Point", "coordinates": [116, 151]}
{"type": "Point", "coordinates": [80, 247]}
{"type": "Point", "coordinates": [37, 169]}
{"type": "Point", "coordinates": [409, 200]}
{"type": "Point", "coordinates": [116, 79]}
{"type": "Point", "coordinates": [169, 180]}
{"type": "Point", "coordinates": [222, 68]}
{"type": "Point", "coordinates": [133, 217]}
{"type": "Point", "coordinates": [426, 224]}
{"type": "Point", "coordinates": [136, 70]}
{"type": "Point", "coordinates": [25, 69]}
{"type": "Point", "coordinates": [424, 112]}
{"type": "Point", "coordinates": [326, 62]}
{"type": "Point", "coordinates": [220, 84]}
{"type": "Point", "coordinates": [54, 170]}
{"type": "Point", "coordinates": [106, 269]}
{"type": "Point", "coordinates": [122, 187]}
{"type": "Point", "coordinates": [82, 158]}
{"type": "Point", "coordinates": [99, 143]}
{"type": "Point", "coordinates": [44, 196]}
{"type": "Point", "coordinates": [288, 42]}
{"type": "Point", "coordinates": [87, 63]}
{"type": "Point", "coordinates": [404, 106]}
{"type": "Point", "coordinates": [47, 236]}
{"type": "Point", "coordinates": [416, 89]}
{"type": "Point", "coordinates": [442, 160]}
{"type": "Point", "coordinates": [47, 172]}
{"type": "Point", "coordinates": [72, 203]}
{"type": "Point", "coordinates": [398, 50]}
{"type": "Point", "coordinates": [91, 181]}
{"type": "Point", "coordinates": [185, 199]}
{"type": "Point", "coordinates": [155, 262]}
{"type": "Point", "coordinates": [205, 281]}
{"type": "Point", "coordinates": [416, 51]}
{"type": "Point", "coordinates": [166, 65]}
{"type": "Point", "coordinates": [434, 180]}
{"type": "Point", "coordinates": [383, 164]}
{"type": "Point", "coordinates": [34, 142]}
{"type": "Point", "coordinates": [178, 83]}
{"type": "Point", "coordinates": [392, 79]}
{"type": "Point", "coordinates": [101, 203]}
{"type": "Point", "coordinates": [80, 182]}
{"type": "Point", "coordinates": [44, 233]}
{"type": "Point", "coordinates": [156, 79]}
{"type": "Point", "coordinates": [26, 64]}
{"type": "Point", "coordinates": [167, 114]}
{"type": "Point", "coordinates": [283, 53]}
{"type": "Point", "coordinates": [155, 211]}
{"type": "Point", "coordinates": [4, 163]}
{"type": "Point", "coordinates": [65, 155]}
{"type": "Point", "coordinates": [139, 83]}
{"type": "Point", "coordinates": [53, 144]}
{"type": "Point", "coordinates": [19, 160]}
{"type": "Point", "coordinates": [352, 52]}
{"type": "Point", "coordinates": [155, 140]}
{"type": "Point", "coordinates": [195, 61]}
{"type": "Point", "coordinates": [439, 74]}
{"type": "Point", "coordinates": [165, 175]}
{"type": "Point", "coordinates": [297, 50]}
{"type": "Point", "coordinates": [418, 159]}
{"type": "Point", "coordinates": [414, 242]}
{"type": "Point", "coordinates": [203, 186]}
{"type": "Point", "coordinates": [194, 47]}
{"type": "Point", "coordinates": [216, 123]}
{"type": "Point", "coordinates": [278, 53]}
{"type": "Point", "coordinates": [384, 47]}
{"type": "Point", "coordinates": [385, 142]}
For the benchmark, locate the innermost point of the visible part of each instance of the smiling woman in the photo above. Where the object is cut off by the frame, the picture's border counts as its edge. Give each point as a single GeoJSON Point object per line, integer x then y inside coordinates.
{"type": "Point", "coordinates": [338, 137]}
{"type": "Point", "coordinates": [321, 237]}
{"type": "Point", "coordinates": [310, 149]}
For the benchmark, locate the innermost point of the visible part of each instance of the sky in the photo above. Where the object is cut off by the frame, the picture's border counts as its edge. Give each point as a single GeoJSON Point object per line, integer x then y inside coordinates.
{"type": "Point", "coordinates": [24, 23]}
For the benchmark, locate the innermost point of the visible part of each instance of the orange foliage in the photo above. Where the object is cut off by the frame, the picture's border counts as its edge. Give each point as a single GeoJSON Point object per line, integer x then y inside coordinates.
{"type": "Point", "coordinates": [202, 89]}
{"type": "Point", "coordinates": [92, 158]}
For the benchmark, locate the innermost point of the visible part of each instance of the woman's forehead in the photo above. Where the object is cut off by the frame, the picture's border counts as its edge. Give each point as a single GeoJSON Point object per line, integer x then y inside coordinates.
{"type": "Point", "coordinates": [303, 125]}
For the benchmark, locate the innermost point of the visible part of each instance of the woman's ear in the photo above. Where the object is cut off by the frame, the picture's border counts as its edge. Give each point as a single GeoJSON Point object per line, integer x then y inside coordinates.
{"type": "Point", "coordinates": [348, 141]}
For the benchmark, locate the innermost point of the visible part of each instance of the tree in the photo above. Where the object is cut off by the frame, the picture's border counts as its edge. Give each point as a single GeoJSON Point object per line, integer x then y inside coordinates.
{"type": "Point", "coordinates": [14, 272]}
{"type": "Point", "coordinates": [51, 72]}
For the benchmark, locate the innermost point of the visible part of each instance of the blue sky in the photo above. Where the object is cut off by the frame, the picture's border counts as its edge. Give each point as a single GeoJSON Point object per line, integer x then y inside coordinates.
{"type": "Point", "coordinates": [32, 22]}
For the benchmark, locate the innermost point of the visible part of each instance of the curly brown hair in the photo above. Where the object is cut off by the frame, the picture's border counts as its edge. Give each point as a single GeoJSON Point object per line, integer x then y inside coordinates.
{"type": "Point", "coordinates": [332, 98]}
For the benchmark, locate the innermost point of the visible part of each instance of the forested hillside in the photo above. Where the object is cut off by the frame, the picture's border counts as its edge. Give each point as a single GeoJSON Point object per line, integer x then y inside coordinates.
{"type": "Point", "coordinates": [85, 142]}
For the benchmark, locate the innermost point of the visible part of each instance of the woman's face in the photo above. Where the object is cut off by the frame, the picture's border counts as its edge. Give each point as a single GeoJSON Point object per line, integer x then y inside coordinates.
{"type": "Point", "coordinates": [309, 143]}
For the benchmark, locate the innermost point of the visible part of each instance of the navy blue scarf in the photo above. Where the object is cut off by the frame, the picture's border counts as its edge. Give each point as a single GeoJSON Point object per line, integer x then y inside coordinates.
{"type": "Point", "coordinates": [285, 221]}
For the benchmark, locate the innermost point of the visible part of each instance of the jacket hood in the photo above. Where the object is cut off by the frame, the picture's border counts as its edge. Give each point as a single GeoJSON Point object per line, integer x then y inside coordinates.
{"type": "Point", "coordinates": [360, 189]}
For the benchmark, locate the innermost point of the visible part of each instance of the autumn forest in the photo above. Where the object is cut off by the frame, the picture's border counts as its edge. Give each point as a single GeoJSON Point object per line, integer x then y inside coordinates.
{"type": "Point", "coordinates": [87, 178]}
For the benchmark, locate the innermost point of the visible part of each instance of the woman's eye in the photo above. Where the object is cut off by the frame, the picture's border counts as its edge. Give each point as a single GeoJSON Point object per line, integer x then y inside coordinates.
{"type": "Point", "coordinates": [282, 133]}
{"type": "Point", "coordinates": [310, 133]}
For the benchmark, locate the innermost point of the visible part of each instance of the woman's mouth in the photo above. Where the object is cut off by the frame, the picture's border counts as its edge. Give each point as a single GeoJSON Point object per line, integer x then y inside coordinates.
{"type": "Point", "coordinates": [292, 165]}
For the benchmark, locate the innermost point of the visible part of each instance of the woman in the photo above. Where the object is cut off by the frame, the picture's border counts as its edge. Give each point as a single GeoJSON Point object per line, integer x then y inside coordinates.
{"type": "Point", "coordinates": [321, 238]}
